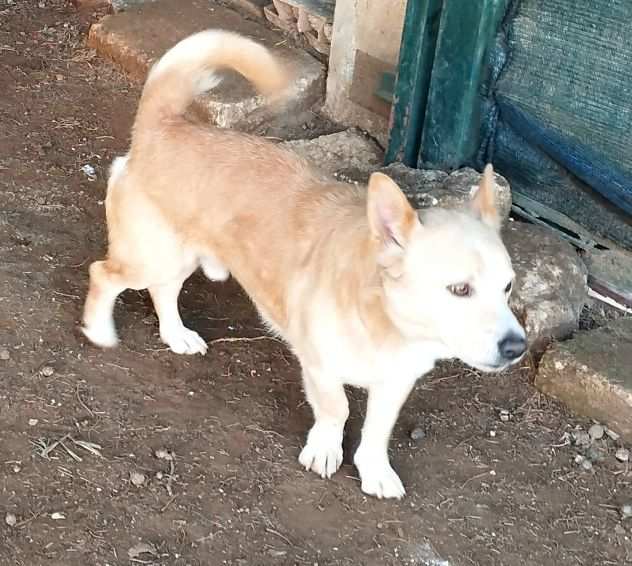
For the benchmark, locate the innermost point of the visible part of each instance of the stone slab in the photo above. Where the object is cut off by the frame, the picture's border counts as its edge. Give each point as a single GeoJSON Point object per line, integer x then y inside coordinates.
{"type": "Point", "coordinates": [550, 289]}
{"type": "Point", "coordinates": [340, 153]}
{"type": "Point", "coordinates": [592, 374]}
{"type": "Point", "coordinates": [610, 273]}
{"type": "Point", "coordinates": [136, 38]}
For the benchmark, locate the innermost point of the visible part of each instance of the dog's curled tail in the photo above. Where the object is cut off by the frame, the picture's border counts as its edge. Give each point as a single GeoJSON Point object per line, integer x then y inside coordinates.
{"type": "Point", "coordinates": [189, 69]}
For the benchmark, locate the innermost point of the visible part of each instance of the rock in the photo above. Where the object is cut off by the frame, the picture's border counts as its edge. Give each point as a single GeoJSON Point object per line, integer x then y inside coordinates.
{"type": "Point", "coordinates": [122, 5]}
{"type": "Point", "coordinates": [626, 511]}
{"type": "Point", "coordinates": [10, 519]}
{"type": "Point", "coordinates": [504, 415]}
{"type": "Point", "coordinates": [622, 454]}
{"type": "Point", "coordinates": [436, 188]}
{"type": "Point", "coordinates": [135, 38]}
{"type": "Point", "coordinates": [587, 465]}
{"type": "Point", "coordinates": [47, 371]}
{"type": "Point", "coordinates": [550, 289]}
{"type": "Point", "coordinates": [612, 435]}
{"type": "Point", "coordinates": [163, 454]}
{"type": "Point", "coordinates": [347, 155]}
{"type": "Point", "coordinates": [142, 548]}
{"type": "Point", "coordinates": [580, 438]}
{"type": "Point", "coordinates": [137, 478]}
{"type": "Point", "coordinates": [417, 434]}
{"type": "Point", "coordinates": [4, 354]}
{"type": "Point", "coordinates": [252, 8]}
{"type": "Point", "coordinates": [591, 374]}
{"type": "Point", "coordinates": [596, 454]}
{"type": "Point", "coordinates": [579, 459]}
{"type": "Point", "coordinates": [596, 432]}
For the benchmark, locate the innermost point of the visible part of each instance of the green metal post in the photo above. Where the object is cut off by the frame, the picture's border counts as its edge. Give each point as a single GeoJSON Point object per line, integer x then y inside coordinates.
{"type": "Point", "coordinates": [435, 120]}
{"type": "Point", "coordinates": [413, 79]}
{"type": "Point", "coordinates": [450, 133]}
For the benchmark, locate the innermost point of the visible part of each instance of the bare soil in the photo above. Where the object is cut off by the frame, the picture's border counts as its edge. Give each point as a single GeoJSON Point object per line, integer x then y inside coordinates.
{"type": "Point", "coordinates": [228, 489]}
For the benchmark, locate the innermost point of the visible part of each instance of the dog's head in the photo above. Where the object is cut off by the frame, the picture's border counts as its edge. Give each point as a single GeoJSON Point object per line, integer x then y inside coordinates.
{"type": "Point", "coordinates": [446, 275]}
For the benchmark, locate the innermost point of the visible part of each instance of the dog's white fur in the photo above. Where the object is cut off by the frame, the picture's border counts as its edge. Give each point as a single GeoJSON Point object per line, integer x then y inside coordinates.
{"type": "Point", "coordinates": [363, 289]}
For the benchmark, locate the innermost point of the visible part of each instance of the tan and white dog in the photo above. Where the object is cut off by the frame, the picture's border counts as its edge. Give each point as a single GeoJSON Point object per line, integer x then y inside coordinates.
{"type": "Point", "coordinates": [365, 290]}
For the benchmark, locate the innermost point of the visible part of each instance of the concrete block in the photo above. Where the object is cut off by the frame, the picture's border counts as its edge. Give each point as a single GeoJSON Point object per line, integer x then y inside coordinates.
{"type": "Point", "coordinates": [136, 38]}
{"type": "Point", "coordinates": [374, 29]}
{"type": "Point", "coordinates": [592, 374]}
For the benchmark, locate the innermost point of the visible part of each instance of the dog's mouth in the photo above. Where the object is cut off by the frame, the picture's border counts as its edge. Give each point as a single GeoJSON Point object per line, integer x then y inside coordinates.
{"type": "Point", "coordinates": [489, 368]}
{"type": "Point", "coordinates": [496, 368]}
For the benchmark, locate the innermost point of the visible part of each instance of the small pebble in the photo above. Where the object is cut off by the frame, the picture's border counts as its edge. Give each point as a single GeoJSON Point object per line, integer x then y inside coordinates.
{"type": "Point", "coordinates": [579, 459]}
{"type": "Point", "coordinates": [47, 371]}
{"type": "Point", "coordinates": [57, 516]}
{"type": "Point", "coordinates": [159, 475]}
{"type": "Point", "coordinates": [10, 519]}
{"type": "Point", "coordinates": [162, 454]}
{"type": "Point", "coordinates": [417, 433]}
{"type": "Point", "coordinates": [612, 434]}
{"type": "Point", "coordinates": [89, 172]}
{"type": "Point", "coordinates": [581, 438]}
{"type": "Point", "coordinates": [595, 454]}
{"type": "Point", "coordinates": [626, 511]}
{"type": "Point", "coordinates": [33, 422]}
{"type": "Point", "coordinates": [504, 415]}
{"type": "Point", "coordinates": [623, 454]}
{"type": "Point", "coordinates": [137, 478]}
{"type": "Point", "coordinates": [587, 465]}
{"type": "Point", "coordinates": [4, 354]}
{"type": "Point", "coordinates": [492, 433]}
{"type": "Point", "coordinates": [16, 469]}
{"type": "Point", "coordinates": [596, 432]}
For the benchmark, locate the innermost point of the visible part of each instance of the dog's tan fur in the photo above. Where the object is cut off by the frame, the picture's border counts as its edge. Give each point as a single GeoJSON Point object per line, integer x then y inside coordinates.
{"type": "Point", "coordinates": [349, 276]}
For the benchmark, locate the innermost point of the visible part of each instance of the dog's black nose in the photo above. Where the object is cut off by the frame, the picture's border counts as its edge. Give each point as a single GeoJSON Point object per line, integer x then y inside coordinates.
{"type": "Point", "coordinates": [512, 346]}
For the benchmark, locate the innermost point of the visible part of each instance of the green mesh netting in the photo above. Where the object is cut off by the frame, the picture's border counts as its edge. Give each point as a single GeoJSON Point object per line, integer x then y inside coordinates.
{"type": "Point", "coordinates": [559, 109]}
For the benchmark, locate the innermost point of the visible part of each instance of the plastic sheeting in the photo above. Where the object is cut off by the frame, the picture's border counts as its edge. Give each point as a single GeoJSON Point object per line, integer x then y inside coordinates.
{"type": "Point", "coordinates": [558, 109]}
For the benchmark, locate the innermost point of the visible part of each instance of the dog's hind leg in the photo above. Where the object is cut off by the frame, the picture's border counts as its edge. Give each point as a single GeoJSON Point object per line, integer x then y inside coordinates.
{"type": "Point", "coordinates": [178, 337]}
{"type": "Point", "coordinates": [105, 285]}
{"type": "Point", "coordinates": [323, 450]}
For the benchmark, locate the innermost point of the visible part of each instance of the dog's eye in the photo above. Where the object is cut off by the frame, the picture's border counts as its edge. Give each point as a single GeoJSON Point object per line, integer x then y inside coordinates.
{"type": "Point", "coordinates": [508, 287]}
{"type": "Point", "coordinates": [461, 290]}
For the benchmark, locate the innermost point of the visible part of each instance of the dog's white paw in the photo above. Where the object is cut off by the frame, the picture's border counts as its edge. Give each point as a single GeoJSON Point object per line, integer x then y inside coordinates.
{"type": "Point", "coordinates": [103, 335]}
{"type": "Point", "coordinates": [378, 477]}
{"type": "Point", "coordinates": [323, 450]}
{"type": "Point", "coordinates": [184, 341]}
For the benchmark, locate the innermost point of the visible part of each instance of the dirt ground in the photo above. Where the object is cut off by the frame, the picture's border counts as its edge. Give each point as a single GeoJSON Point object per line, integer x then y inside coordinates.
{"type": "Point", "coordinates": [195, 459]}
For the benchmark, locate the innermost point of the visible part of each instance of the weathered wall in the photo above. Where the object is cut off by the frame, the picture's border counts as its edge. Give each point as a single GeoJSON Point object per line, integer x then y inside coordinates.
{"type": "Point", "coordinates": [371, 26]}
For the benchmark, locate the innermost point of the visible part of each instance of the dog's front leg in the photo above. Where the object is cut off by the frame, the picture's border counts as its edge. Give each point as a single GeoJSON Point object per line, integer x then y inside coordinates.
{"type": "Point", "coordinates": [371, 458]}
{"type": "Point", "coordinates": [326, 395]}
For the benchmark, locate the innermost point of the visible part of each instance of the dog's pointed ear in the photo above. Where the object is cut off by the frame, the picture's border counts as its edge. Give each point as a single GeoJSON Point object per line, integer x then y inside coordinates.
{"type": "Point", "coordinates": [391, 218]}
{"type": "Point", "coordinates": [483, 203]}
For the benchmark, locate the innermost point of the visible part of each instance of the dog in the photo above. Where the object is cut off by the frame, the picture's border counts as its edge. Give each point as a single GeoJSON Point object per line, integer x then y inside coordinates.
{"type": "Point", "coordinates": [365, 290]}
